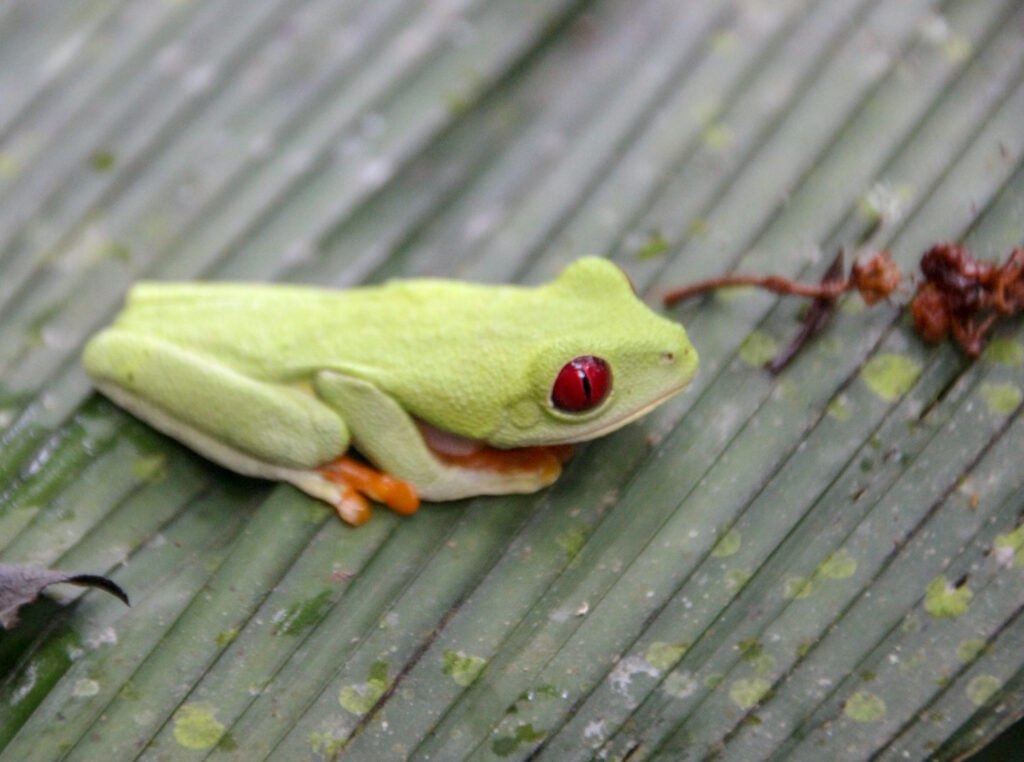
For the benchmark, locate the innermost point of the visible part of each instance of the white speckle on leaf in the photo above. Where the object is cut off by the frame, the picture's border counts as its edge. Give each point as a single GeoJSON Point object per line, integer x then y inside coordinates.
{"type": "Point", "coordinates": [727, 417]}
{"type": "Point", "coordinates": [84, 688]}
{"type": "Point", "coordinates": [41, 459]}
{"type": "Point", "coordinates": [56, 338]}
{"type": "Point", "coordinates": [1004, 555]}
{"type": "Point", "coordinates": [874, 59]}
{"type": "Point", "coordinates": [594, 730]}
{"type": "Point", "coordinates": [622, 675]}
{"type": "Point", "coordinates": [375, 173]}
{"type": "Point", "coordinates": [934, 29]}
{"type": "Point", "coordinates": [562, 614]}
{"type": "Point", "coordinates": [28, 682]}
{"type": "Point", "coordinates": [680, 684]}
{"type": "Point", "coordinates": [886, 202]}
{"type": "Point", "coordinates": [410, 43]}
{"type": "Point", "coordinates": [63, 53]}
{"type": "Point", "coordinates": [102, 636]}
{"type": "Point", "coordinates": [198, 79]}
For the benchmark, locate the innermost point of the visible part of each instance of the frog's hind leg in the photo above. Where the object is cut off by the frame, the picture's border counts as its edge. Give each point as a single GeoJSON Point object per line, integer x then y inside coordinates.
{"type": "Point", "coordinates": [319, 483]}
{"type": "Point", "coordinates": [257, 428]}
{"type": "Point", "coordinates": [268, 430]}
{"type": "Point", "coordinates": [213, 408]}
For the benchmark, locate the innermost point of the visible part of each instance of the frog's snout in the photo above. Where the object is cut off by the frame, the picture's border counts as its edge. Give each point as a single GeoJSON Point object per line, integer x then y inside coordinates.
{"type": "Point", "coordinates": [680, 357]}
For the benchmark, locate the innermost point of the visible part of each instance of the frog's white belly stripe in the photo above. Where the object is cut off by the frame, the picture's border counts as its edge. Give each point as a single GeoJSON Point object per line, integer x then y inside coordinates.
{"type": "Point", "coordinates": [308, 481]}
{"type": "Point", "coordinates": [452, 483]}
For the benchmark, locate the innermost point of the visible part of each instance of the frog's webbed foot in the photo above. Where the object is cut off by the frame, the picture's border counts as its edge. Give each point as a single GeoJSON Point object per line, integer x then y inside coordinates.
{"type": "Point", "coordinates": [358, 482]}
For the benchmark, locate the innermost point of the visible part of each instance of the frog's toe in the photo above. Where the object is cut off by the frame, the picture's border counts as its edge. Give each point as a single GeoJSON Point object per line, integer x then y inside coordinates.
{"type": "Point", "coordinates": [356, 479]}
{"type": "Point", "coordinates": [352, 507]}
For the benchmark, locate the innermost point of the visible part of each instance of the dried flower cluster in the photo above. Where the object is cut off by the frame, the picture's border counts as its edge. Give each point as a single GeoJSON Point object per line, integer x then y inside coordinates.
{"type": "Point", "coordinates": [964, 297]}
{"type": "Point", "coordinates": [958, 295]}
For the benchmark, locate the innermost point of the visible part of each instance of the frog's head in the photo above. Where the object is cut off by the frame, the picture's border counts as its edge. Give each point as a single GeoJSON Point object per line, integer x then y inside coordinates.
{"type": "Point", "coordinates": [605, 359]}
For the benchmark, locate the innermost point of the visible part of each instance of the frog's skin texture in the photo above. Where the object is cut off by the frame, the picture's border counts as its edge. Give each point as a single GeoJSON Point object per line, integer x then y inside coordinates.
{"type": "Point", "coordinates": [449, 388]}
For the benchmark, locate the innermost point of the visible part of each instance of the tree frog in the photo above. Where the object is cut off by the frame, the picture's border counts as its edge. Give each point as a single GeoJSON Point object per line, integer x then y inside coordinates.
{"type": "Point", "coordinates": [449, 389]}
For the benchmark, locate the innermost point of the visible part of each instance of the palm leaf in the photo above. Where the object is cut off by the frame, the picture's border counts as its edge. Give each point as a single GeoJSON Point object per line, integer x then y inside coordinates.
{"type": "Point", "coordinates": [822, 564]}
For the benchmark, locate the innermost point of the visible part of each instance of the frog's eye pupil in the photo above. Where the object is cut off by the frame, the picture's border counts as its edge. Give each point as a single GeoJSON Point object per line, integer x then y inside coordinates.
{"type": "Point", "coordinates": [581, 384]}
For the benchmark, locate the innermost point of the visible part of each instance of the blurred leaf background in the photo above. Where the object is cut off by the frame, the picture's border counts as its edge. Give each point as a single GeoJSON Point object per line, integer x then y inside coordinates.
{"type": "Point", "coordinates": [822, 565]}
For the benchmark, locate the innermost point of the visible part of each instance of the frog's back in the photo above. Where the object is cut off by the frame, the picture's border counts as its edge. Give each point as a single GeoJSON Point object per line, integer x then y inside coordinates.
{"type": "Point", "coordinates": [306, 328]}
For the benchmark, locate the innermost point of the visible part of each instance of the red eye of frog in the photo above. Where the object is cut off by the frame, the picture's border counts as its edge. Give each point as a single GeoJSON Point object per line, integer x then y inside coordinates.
{"type": "Point", "coordinates": [582, 384]}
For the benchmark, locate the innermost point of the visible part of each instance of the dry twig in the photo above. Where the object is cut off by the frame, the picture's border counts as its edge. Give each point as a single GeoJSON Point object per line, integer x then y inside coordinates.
{"type": "Point", "coordinates": [958, 294]}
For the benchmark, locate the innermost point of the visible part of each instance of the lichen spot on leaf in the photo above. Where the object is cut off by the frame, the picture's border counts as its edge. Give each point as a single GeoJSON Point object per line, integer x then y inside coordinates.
{"type": "Point", "coordinates": [195, 726]}
{"type": "Point", "coordinates": [463, 669]}
{"type": "Point", "coordinates": [982, 688]}
{"type": "Point", "coordinates": [946, 601]}
{"type": "Point", "coordinates": [838, 565]}
{"type": "Point", "coordinates": [1004, 352]}
{"type": "Point", "coordinates": [890, 375]}
{"type": "Point", "coordinates": [758, 348]}
{"type": "Point", "coordinates": [863, 706]}
{"type": "Point", "coordinates": [1001, 399]}
{"type": "Point", "coordinates": [747, 692]}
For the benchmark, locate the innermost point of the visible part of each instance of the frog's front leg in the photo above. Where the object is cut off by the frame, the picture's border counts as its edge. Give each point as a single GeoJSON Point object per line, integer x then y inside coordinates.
{"type": "Point", "coordinates": [410, 451]}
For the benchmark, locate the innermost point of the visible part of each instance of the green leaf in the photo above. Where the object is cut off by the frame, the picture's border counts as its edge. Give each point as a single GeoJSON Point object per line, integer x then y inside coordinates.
{"type": "Point", "coordinates": [824, 563]}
